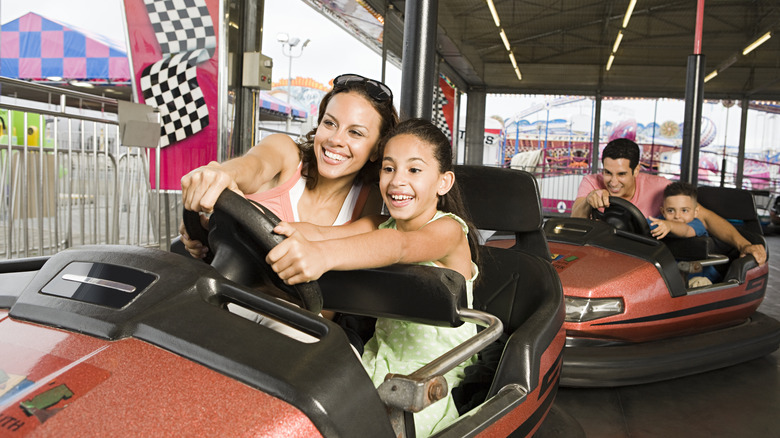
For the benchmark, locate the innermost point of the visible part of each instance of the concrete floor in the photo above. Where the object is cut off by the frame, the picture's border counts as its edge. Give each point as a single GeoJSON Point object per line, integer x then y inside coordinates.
{"type": "Point", "coordinates": [739, 401]}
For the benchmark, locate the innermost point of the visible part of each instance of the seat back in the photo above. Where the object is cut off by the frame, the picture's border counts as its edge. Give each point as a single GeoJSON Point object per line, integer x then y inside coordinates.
{"type": "Point", "coordinates": [504, 200]}
{"type": "Point", "coordinates": [518, 284]}
{"type": "Point", "coordinates": [734, 205]}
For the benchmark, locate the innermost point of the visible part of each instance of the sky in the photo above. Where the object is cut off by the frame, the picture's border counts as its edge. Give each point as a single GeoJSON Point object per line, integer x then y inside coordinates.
{"type": "Point", "coordinates": [331, 51]}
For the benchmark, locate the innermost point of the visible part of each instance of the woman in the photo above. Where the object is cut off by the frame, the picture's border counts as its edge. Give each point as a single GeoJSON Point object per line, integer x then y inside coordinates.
{"type": "Point", "coordinates": [327, 180]}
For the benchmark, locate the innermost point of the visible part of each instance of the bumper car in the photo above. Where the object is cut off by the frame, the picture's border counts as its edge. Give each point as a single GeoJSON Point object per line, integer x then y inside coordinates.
{"type": "Point", "coordinates": [123, 340]}
{"type": "Point", "coordinates": [631, 317]}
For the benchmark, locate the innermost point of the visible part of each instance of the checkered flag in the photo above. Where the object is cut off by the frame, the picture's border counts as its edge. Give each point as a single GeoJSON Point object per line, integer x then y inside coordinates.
{"type": "Point", "coordinates": [181, 25]}
{"type": "Point", "coordinates": [439, 100]}
{"type": "Point", "coordinates": [172, 86]}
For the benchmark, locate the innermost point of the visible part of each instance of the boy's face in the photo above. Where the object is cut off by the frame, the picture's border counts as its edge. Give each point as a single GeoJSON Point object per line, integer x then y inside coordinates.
{"type": "Point", "coordinates": [679, 208]}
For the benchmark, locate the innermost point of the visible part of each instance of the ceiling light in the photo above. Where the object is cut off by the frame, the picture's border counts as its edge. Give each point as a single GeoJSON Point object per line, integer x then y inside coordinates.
{"type": "Point", "coordinates": [617, 41]}
{"type": "Point", "coordinates": [609, 62]}
{"type": "Point", "coordinates": [506, 41]}
{"type": "Point", "coordinates": [757, 43]}
{"type": "Point", "coordinates": [519, 76]}
{"type": "Point", "coordinates": [710, 76]}
{"type": "Point", "coordinates": [512, 58]}
{"type": "Point", "coordinates": [494, 13]}
{"type": "Point", "coordinates": [629, 11]}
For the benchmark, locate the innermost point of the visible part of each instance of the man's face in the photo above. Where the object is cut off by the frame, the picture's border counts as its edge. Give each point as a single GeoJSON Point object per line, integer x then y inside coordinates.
{"type": "Point", "coordinates": [619, 178]}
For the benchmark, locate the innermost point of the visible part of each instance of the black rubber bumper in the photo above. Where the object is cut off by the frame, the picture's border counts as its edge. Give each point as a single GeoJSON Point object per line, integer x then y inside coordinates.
{"type": "Point", "coordinates": [631, 364]}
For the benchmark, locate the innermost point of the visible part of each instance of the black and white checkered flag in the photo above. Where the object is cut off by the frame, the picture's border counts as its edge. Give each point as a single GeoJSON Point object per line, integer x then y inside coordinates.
{"type": "Point", "coordinates": [181, 25]}
{"type": "Point", "coordinates": [171, 85]}
{"type": "Point", "coordinates": [439, 100]}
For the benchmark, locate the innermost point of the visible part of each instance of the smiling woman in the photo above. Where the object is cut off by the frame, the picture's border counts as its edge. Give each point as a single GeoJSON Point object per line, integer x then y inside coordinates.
{"type": "Point", "coordinates": [329, 179]}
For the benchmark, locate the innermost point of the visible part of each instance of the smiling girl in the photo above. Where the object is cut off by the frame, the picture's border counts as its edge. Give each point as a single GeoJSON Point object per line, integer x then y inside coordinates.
{"type": "Point", "coordinates": [426, 226]}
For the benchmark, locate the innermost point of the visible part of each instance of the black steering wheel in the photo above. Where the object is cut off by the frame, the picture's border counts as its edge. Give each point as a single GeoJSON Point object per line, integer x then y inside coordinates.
{"type": "Point", "coordinates": [623, 215]}
{"type": "Point", "coordinates": [239, 237]}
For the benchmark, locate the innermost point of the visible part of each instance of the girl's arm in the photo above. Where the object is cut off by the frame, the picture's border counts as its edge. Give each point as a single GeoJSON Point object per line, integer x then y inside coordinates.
{"type": "Point", "coordinates": [664, 227]}
{"type": "Point", "coordinates": [313, 232]}
{"type": "Point", "coordinates": [298, 260]}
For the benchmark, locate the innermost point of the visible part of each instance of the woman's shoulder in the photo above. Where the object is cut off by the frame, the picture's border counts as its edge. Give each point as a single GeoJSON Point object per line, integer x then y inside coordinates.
{"type": "Point", "coordinates": [277, 143]}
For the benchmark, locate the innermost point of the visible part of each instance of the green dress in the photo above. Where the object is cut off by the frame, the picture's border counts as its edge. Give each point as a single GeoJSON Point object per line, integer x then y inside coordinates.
{"type": "Point", "coordinates": [402, 347]}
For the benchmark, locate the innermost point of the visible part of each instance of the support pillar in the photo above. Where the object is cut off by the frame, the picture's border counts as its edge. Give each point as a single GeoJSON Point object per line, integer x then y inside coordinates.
{"type": "Point", "coordinates": [418, 70]}
{"type": "Point", "coordinates": [475, 127]}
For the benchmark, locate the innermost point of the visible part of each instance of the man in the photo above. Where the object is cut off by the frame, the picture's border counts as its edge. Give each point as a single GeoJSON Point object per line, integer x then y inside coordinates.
{"type": "Point", "coordinates": [620, 177]}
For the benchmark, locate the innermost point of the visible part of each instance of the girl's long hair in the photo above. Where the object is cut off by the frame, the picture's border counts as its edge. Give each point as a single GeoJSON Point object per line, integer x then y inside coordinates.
{"type": "Point", "coordinates": [369, 173]}
{"type": "Point", "coordinates": [450, 202]}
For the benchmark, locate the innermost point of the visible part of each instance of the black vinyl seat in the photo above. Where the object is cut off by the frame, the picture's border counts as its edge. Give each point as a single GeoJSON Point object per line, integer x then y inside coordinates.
{"type": "Point", "coordinates": [518, 284]}
{"type": "Point", "coordinates": [739, 208]}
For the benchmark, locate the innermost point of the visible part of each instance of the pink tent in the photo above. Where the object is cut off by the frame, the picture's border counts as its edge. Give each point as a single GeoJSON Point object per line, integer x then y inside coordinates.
{"type": "Point", "coordinates": [37, 48]}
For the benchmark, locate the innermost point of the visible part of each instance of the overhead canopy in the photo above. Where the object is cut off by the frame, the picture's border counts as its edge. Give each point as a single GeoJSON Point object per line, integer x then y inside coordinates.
{"type": "Point", "coordinates": [562, 47]}
{"type": "Point", "coordinates": [36, 48]}
{"type": "Point", "coordinates": [277, 108]}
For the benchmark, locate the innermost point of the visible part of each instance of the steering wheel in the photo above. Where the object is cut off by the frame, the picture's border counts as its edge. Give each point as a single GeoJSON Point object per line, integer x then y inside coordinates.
{"type": "Point", "coordinates": [239, 237]}
{"type": "Point", "coordinates": [623, 215]}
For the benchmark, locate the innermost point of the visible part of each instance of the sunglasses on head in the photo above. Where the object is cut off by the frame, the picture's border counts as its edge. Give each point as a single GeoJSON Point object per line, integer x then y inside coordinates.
{"type": "Point", "coordinates": [377, 90]}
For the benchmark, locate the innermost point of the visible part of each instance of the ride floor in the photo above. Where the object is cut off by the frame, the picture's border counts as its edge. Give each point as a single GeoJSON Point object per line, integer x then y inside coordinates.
{"type": "Point", "coordinates": [739, 401]}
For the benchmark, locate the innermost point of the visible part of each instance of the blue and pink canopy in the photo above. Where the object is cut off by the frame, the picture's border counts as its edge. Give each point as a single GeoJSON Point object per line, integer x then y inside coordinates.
{"type": "Point", "coordinates": [37, 48]}
{"type": "Point", "coordinates": [275, 105]}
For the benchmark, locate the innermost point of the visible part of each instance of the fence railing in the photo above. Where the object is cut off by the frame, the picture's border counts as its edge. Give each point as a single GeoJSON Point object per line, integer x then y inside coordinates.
{"type": "Point", "coordinates": [66, 180]}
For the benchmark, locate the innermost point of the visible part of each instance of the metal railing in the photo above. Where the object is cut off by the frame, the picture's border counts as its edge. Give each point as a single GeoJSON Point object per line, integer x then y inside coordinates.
{"type": "Point", "coordinates": [66, 180]}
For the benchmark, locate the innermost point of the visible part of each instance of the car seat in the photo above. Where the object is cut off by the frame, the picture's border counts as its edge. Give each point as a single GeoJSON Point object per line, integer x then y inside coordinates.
{"type": "Point", "coordinates": [739, 208]}
{"type": "Point", "coordinates": [518, 284]}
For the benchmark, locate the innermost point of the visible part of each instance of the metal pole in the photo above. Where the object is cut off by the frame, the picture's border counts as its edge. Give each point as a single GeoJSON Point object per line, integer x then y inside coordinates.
{"type": "Point", "coordinates": [417, 66]}
{"type": "Point", "coordinates": [694, 99]}
{"type": "Point", "coordinates": [742, 141]}
{"type": "Point", "coordinates": [289, 91]}
{"type": "Point", "coordinates": [594, 151]}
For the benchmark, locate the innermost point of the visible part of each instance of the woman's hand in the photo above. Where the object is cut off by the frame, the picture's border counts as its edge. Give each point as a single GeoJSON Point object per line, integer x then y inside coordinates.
{"type": "Point", "coordinates": [194, 247]}
{"type": "Point", "coordinates": [201, 187]}
{"type": "Point", "coordinates": [296, 259]}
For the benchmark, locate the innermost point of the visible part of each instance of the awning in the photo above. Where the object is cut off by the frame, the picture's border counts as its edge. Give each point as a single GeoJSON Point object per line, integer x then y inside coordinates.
{"type": "Point", "coordinates": [273, 106]}
{"type": "Point", "coordinates": [36, 48]}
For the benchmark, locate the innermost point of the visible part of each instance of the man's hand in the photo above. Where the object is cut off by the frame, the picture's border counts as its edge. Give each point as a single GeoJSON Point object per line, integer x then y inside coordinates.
{"type": "Point", "coordinates": [756, 250]}
{"type": "Point", "coordinates": [583, 206]}
{"type": "Point", "coordinates": [598, 199]}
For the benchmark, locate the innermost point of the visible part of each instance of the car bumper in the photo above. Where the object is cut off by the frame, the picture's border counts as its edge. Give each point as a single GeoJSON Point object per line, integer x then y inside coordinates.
{"type": "Point", "coordinates": [630, 364]}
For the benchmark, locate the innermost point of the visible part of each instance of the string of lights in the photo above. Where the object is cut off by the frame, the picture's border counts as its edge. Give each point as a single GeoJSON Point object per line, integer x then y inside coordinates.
{"type": "Point", "coordinates": [505, 40]}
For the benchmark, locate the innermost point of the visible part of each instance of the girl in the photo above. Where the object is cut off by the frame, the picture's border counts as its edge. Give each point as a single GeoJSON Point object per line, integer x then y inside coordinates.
{"type": "Point", "coordinates": [426, 227]}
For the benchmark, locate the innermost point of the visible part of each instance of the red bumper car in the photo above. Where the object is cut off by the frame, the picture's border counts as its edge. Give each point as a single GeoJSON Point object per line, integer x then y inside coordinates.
{"type": "Point", "coordinates": [630, 317]}
{"type": "Point", "coordinates": [122, 340]}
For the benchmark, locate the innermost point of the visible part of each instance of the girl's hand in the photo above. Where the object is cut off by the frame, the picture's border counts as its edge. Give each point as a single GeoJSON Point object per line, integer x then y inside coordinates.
{"type": "Point", "coordinates": [296, 259]}
{"type": "Point", "coordinates": [659, 228]}
{"type": "Point", "coordinates": [201, 187]}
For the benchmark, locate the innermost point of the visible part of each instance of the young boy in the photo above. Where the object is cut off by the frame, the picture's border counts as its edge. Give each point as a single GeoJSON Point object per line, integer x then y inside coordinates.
{"type": "Point", "coordinates": [680, 211]}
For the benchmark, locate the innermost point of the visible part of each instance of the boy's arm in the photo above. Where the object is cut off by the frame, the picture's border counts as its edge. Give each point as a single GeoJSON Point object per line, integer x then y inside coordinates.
{"type": "Point", "coordinates": [297, 260]}
{"type": "Point", "coordinates": [723, 230]}
{"type": "Point", "coordinates": [664, 227]}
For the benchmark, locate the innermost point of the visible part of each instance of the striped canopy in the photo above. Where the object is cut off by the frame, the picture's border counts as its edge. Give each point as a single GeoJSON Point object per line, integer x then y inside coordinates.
{"type": "Point", "coordinates": [37, 48]}
{"type": "Point", "coordinates": [276, 106]}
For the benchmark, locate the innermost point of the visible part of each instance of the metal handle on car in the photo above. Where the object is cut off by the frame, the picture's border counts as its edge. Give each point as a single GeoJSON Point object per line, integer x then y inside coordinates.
{"type": "Point", "coordinates": [418, 390]}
